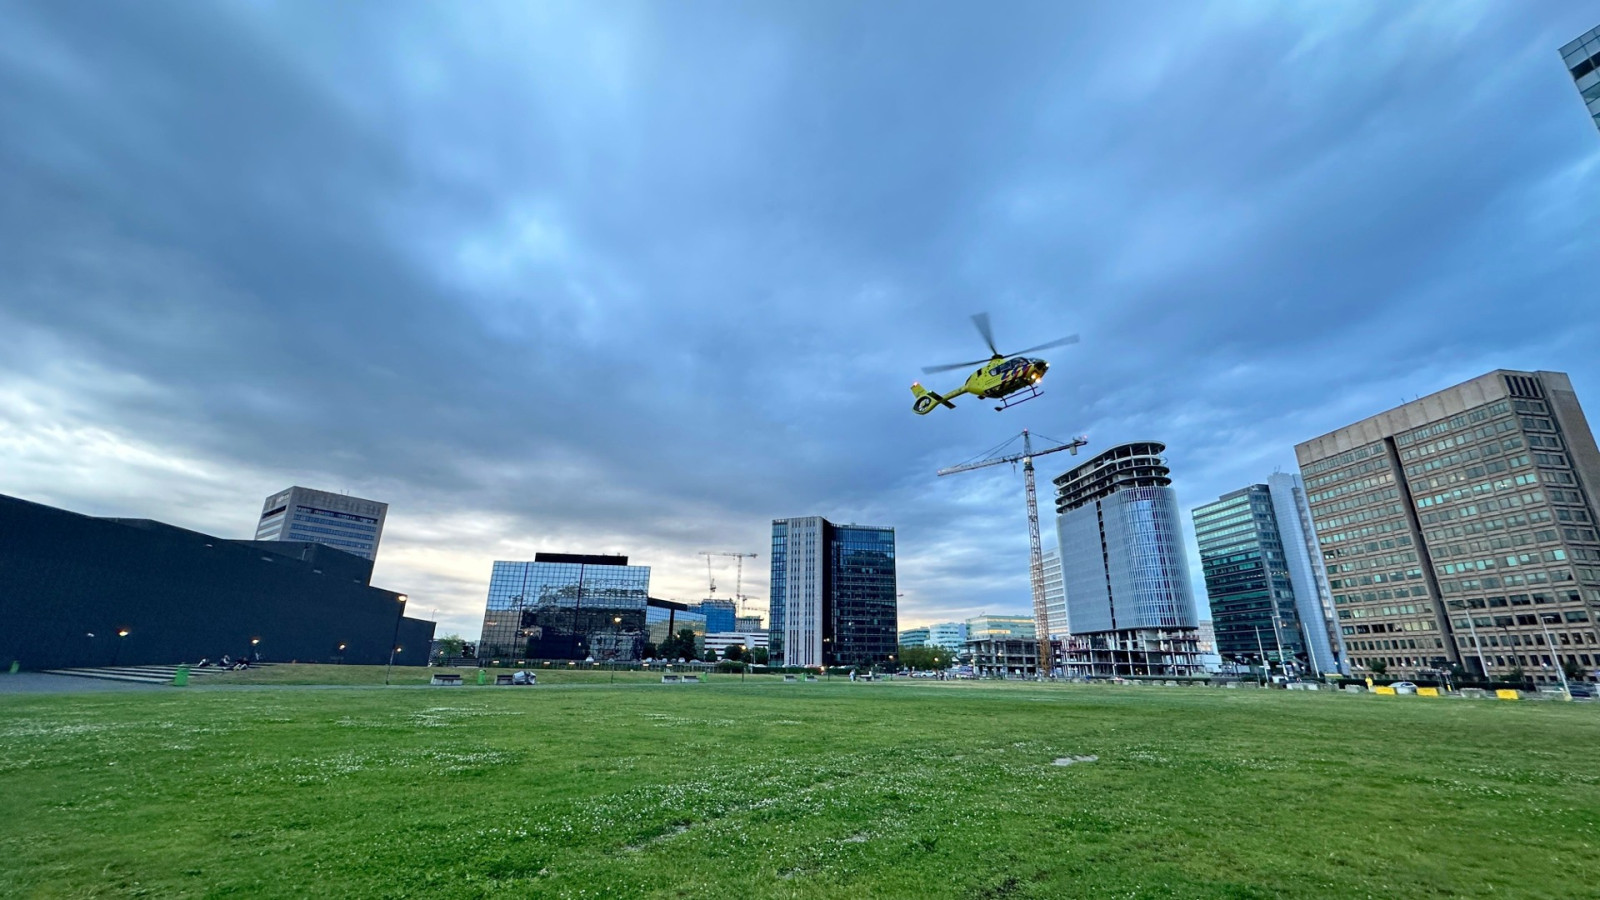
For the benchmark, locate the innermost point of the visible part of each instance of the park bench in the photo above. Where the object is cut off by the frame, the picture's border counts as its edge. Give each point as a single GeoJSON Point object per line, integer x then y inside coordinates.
{"type": "Point", "coordinates": [691, 679]}
{"type": "Point", "coordinates": [790, 678]}
{"type": "Point", "coordinates": [670, 679]}
{"type": "Point", "coordinates": [447, 679]}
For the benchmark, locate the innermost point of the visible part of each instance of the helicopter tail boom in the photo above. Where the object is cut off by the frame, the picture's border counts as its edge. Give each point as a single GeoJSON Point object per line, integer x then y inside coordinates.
{"type": "Point", "coordinates": [927, 400]}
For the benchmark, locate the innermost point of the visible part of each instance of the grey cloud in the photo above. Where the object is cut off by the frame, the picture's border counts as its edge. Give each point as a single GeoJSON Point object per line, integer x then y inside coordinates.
{"type": "Point", "coordinates": [618, 275]}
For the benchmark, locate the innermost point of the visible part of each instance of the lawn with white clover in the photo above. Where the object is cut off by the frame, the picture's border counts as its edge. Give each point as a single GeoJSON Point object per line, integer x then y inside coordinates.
{"type": "Point", "coordinates": [764, 789]}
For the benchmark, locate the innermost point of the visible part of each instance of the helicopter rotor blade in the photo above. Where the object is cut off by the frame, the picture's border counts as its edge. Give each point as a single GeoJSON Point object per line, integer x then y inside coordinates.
{"type": "Point", "coordinates": [1069, 339]}
{"type": "Point", "coordinates": [981, 320]}
{"type": "Point", "coordinates": [929, 370]}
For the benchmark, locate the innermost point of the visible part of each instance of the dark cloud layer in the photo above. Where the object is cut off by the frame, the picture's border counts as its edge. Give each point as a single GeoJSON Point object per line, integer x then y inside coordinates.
{"type": "Point", "coordinates": [642, 277]}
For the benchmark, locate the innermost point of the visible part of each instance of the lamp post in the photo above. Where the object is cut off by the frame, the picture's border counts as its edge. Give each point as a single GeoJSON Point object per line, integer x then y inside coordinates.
{"type": "Point", "coordinates": [394, 642]}
{"type": "Point", "coordinates": [254, 642]}
{"type": "Point", "coordinates": [1473, 628]}
{"type": "Point", "coordinates": [341, 653]}
{"type": "Point", "coordinates": [116, 653]}
{"type": "Point", "coordinates": [1555, 657]}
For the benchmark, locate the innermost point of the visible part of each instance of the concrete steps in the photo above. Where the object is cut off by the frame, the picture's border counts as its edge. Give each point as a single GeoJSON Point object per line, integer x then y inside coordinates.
{"type": "Point", "coordinates": [139, 674]}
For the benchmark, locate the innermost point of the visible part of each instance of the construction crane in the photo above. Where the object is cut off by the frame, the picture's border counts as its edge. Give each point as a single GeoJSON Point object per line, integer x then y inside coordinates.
{"type": "Point", "coordinates": [1041, 619]}
{"type": "Point", "coordinates": [738, 578]}
{"type": "Point", "coordinates": [710, 578]}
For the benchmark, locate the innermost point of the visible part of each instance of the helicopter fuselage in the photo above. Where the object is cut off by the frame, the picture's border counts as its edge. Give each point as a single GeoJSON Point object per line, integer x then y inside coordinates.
{"type": "Point", "coordinates": [996, 379]}
{"type": "Point", "coordinates": [999, 377]}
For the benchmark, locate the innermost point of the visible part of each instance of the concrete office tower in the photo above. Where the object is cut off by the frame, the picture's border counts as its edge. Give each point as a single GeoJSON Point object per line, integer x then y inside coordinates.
{"type": "Point", "coordinates": [1263, 592]}
{"type": "Point", "coordinates": [1123, 566]}
{"type": "Point", "coordinates": [1055, 596]}
{"type": "Point", "coordinates": [348, 523]}
{"type": "Point", "coordinates": [833, 599]}
{"type": "Point", "coordinates": [1460, 529]}
{"type": "Point", "coordinates": [1582, 59]}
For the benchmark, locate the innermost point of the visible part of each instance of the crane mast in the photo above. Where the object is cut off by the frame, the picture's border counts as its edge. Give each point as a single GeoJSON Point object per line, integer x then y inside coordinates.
{"type": "Point", "coordinates": [738, 578]}
{"type": "Point", "coordinates": [1041, 618]}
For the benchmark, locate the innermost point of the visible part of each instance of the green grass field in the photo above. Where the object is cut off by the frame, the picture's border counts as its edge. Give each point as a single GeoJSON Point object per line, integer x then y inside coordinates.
{"type": "Point", "coordinates": [764, 789]}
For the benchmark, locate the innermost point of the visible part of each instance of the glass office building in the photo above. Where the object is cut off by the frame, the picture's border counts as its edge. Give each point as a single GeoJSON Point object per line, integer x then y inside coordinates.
{"type": "Point", "coordinates": [1123, 566]}
{"type": "Point", "coordinates": [1582, 58]}
{"type": "Point", "coordinates": [1459, 529]}
{"type": "Point", "coordinates": [948, 635]}
{"type": "Point", "coordinates": [1263, 577]}
{"type": "Point", "coordinates": [566, 606]}
{"type": "Point", "coordinates": [833, 596]}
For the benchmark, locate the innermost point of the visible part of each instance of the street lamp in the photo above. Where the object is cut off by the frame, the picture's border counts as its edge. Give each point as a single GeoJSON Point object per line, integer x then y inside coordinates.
{"type": "Point", "coordinates": [116, 654]}
{"type": "Point", "coordinates": [1555, 657]}
{"type": "Point", "coordinates": [394, 643]}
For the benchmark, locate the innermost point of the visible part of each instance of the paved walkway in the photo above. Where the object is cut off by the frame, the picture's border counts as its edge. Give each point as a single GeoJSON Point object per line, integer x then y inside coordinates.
{"type": "Point", "coordinates": [40, 683]}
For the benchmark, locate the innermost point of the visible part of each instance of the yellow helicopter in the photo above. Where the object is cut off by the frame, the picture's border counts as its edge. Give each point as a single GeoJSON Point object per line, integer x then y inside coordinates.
{"type": "Point", "coordinates": [1011, 378]}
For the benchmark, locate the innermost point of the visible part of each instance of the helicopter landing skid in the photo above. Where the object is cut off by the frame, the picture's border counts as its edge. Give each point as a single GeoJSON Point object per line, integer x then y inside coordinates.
{"type": "Point", "coordinates": [1018, 397]}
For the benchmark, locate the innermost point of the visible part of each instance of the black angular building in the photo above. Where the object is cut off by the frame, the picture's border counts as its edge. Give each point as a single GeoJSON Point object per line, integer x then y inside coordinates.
{"type": "Point", "coordinates": [77, 590]}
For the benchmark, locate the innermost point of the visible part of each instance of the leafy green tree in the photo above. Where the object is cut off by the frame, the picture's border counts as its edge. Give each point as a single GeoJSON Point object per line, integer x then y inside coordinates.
{"type": "Point", "coordinates": [1379, 667]}
{"type": "Point", "coordinates": [650, 651]}
{"type": "Point", "coordinates": [924, 658]}
{"type": "Point", "coordinates": [449, 645]}
{"type": "Point", "coordinates": [734, 653]}
{"type": "Point", "coordinates": [759, 656]}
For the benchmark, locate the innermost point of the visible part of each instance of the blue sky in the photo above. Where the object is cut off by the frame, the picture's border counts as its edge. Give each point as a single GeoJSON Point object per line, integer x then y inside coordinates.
{"type": "Point", "coordinates": [638, 278]}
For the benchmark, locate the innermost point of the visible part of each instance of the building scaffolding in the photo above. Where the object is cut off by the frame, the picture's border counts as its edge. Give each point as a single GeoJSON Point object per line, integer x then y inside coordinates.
{"type": "Point", "coordinates": [1134, 652]}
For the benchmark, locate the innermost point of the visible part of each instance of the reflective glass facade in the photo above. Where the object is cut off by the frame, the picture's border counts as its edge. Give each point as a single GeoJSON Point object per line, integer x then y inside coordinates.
{"type": "Point", "coordinates": [948, 635]}
{"type": "Point", "coordinates": [1122, 550]}
{"type": "Point", "coordinates": [833, 599]}
{"type": "Point", "coordinates": [864, 610]}
{"type": "Point", "coordinates": [1247, 577]}
{"type": "Point", "coordinates": [566, 606]}
{"type": "Point", "coordinates": [1582, 58]}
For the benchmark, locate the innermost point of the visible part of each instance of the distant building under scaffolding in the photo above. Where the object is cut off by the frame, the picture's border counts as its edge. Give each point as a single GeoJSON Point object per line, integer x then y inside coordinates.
{"type": "Point", "coordinates": [1132, 653]}
{"type": "Point", "coordinates": [999, 657]}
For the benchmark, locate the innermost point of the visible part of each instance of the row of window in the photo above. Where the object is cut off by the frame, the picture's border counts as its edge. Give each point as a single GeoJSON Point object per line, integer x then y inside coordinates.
{"type": "Point", "coordinates": [1365, 515]}
{"type": "Point", "coordinates": [1322, 511]}
{"type": "Point", "coordinates": [1462, 421]}
{"type": "Point", "coordinates": [1343, 459]}
{"type": "Point", "coordinates": [1385, 594]}
{"type": "Point", "coordinates": [1460, 440]}
{"type": "Point", "coordinates": [1489, 505]}
{"type": "Point", "coordinates": [1491, 582]}
{"type": "Point", "coordinates": [1371, 465]}
{"type": "Point", "coordinates": [1341, 490]}
{"type": "Point", "coordinates": [1507, 561]}
{"type": "Point", "coordinates": [1374, 562]}
{"type": "Point", "coordinates": [1467, 455]}
{"type": "Point", "coordinates": [1356, 534]}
